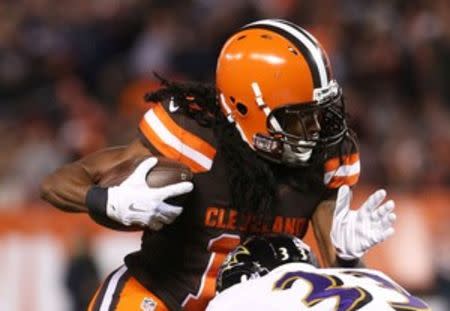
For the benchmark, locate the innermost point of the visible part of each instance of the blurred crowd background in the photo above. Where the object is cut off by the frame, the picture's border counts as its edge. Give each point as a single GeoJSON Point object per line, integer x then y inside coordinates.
{"type": "Point", "coordinates": [73, 74]}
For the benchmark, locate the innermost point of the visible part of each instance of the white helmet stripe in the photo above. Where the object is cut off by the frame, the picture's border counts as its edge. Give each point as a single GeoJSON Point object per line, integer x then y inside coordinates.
{"type": "Point", "coordinates": [307, 41]}
{"type": "Point", "coordinates": [227, 108]}
{"type": "Point", "coordinates": [260, 102]}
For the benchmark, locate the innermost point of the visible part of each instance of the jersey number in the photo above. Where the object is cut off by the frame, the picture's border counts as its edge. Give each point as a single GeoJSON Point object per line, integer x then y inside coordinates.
{"type": "Point", "coordinates": [323, 287]}
{"type": "Point", "coordinates": [219, 248]}
{"type": "Point", "coordinates": [350, 298]}
{"type": "Point", "coordinates": [412, 303]}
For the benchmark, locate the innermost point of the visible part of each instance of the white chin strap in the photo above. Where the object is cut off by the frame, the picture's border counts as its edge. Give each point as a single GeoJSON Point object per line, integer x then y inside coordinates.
{"type": "Point", "coordinates": [304, 155]}
{"type": "Point", "coordinates": [301, 154]}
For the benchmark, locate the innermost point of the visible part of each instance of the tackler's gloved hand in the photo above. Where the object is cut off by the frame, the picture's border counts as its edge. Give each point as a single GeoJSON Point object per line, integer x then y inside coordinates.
{"type": "Point", "coordinates": [133, 202]}
{"type": "Point", "coordinates": [355, 231]}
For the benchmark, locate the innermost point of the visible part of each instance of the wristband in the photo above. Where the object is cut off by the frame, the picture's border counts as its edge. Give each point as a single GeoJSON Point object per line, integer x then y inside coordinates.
{"type": "Point", "coordinates": [96, 199]}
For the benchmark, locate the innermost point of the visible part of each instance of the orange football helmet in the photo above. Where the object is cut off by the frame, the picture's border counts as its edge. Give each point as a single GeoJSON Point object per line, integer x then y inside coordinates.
{"type": "Point", "coordinates": [274, 81]}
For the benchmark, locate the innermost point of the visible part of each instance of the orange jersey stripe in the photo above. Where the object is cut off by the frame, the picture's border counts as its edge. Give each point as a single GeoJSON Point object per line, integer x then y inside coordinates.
{"type": "Point", "coordinates": [333, 163]}
{"type": "Point", "coordinates": [167, 150]}
{"type": "Point", "coordinates": [338, 181]}
{"type": "Point", "coordinates": [92, 303]}
{"type": "Point", "coordinates": [186, 137]}
{"type": "Point", "coordinates": [342, 170]}
{"type": "Point", "coordinates": [175, 142]}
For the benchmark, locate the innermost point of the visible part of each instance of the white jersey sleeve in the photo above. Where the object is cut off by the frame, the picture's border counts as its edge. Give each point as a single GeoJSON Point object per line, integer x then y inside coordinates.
{"type": "Point", "coordinates": [298, 286]}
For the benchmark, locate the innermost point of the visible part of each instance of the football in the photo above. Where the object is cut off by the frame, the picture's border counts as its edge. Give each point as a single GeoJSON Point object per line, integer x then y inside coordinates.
{"type": "Point", "coordinates": [165, 172]}
{"type": "Point", "coordinates": [168, 172]}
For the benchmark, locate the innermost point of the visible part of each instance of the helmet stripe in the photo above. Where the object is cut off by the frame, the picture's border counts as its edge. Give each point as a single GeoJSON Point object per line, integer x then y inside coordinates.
{"type": "Point", "coordinates": [314, 41]}
{"type": "Point", "coordinates": [260, 102]}
{"type": "Point", "coordinates": [308, 47]}
{"type": "Point", "coordinates": [227, 108]}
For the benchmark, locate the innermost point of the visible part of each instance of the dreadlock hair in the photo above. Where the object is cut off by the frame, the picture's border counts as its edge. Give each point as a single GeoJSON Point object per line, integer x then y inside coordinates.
{"type": "Point", "coordinates": [250, 179]}
{"type": "Point", "coordinates": [196, 100]}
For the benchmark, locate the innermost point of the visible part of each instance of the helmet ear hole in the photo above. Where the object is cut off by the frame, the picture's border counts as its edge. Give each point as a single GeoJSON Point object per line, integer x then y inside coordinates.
{"type": "Point", "coordinates": [242, 108]}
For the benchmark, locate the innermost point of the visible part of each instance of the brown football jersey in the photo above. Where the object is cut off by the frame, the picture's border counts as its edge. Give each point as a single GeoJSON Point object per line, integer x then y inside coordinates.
{"type": "Point", "coordinates": [180, 262]}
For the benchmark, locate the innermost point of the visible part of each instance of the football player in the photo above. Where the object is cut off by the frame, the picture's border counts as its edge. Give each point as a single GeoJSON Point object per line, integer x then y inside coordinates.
{"type": "Point", "coordinates": [279, 272]}
{"type": "Point", "coordinates": [269, 146]}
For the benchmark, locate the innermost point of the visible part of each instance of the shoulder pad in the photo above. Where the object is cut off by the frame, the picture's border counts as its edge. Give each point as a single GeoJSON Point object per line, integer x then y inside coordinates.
{"type": "Point", "coordinates": [178, 137]}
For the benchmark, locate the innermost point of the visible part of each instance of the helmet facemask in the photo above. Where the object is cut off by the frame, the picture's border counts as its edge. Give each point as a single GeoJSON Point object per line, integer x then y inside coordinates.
{"type": "Point", "coordinates": [296, 130]}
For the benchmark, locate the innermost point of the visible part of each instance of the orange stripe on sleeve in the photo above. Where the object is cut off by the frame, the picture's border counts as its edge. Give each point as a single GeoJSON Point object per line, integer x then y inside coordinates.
{"type": "Point", "coordinates": [338, 181]}
{"type": "Point", "coordinates": [342, 171]}
{"type": "Point", "coordinates": [186, 137]}
{"type": "Point", "coordinates": [167, 150]}
{"type": "Point", "coordinates": [333, 163]}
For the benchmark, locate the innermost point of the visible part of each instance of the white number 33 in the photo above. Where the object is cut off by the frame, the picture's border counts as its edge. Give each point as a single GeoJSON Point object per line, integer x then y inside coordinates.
{"type": "Point", "coordinates": [285, 254]}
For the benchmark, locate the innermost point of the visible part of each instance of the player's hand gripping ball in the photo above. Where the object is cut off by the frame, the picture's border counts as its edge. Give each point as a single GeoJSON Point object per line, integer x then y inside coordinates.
{"type": "Point", "coordinates": [147, 192]}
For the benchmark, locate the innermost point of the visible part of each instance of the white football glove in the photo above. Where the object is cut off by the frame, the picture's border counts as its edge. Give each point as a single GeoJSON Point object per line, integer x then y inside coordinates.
{"type": "Point", "coordinates": [133, 202]}
{"type": "Point", "coordinates": [355, 231]}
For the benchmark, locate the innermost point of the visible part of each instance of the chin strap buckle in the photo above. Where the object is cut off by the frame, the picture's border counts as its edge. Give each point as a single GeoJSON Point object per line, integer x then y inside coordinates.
{"type": "Point", "coordinates": [267, 144]}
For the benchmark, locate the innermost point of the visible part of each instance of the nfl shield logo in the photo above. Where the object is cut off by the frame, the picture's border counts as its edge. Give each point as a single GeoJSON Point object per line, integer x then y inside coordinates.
{"type": "Point", "coordinates": [148, 304]}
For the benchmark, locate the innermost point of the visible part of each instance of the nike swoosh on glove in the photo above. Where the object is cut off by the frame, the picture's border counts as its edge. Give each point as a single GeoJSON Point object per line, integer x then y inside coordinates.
{"type": "Point", "coordinates": [133, 202]}
{"type": "Point", "coordinates": [355, 231]}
